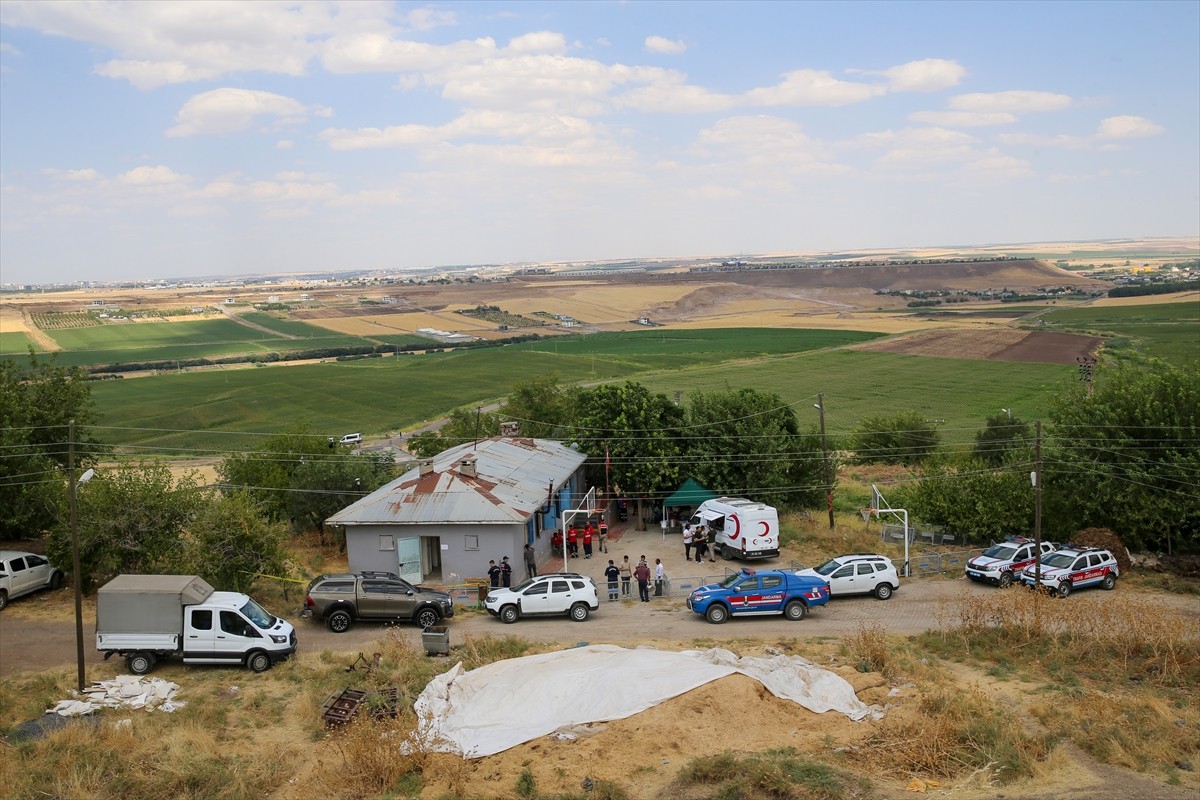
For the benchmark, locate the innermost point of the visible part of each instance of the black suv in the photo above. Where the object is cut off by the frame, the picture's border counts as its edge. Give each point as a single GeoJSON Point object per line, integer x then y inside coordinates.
{"type": "Point", "coordinates": [381, 596]}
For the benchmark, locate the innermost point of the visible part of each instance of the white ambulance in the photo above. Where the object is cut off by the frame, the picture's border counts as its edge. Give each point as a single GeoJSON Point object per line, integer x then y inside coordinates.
{"type": "Point", "coordinates": [739, 528]}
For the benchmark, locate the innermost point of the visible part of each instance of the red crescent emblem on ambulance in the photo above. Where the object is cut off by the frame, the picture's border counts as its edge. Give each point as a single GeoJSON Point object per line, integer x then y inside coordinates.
{"type": "Point", "coordinates": [766, 527]}
{"type": "Point", "coordinates": [737, 526]}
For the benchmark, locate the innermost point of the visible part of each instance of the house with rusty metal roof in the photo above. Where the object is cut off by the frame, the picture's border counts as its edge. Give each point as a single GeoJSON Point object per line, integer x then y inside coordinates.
{"type": "Point", "coordinates": [446, 518]}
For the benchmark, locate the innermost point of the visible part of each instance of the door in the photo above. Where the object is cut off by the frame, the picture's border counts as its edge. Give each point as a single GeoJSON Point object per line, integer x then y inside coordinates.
{"type": "Point", "coordinates": [536, 599]}
{"type": "Point", "coordinates": [199, 636]}
{"type": "Point", "coordinates": [408, 558]}
{"type": "Point", "coordinates": [842, 581]}
{"type": "Point", "coordinates": [235, 637]}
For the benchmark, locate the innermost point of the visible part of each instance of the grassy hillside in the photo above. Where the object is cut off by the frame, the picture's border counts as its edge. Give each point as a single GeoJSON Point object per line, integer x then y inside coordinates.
{"type": "Point", "coordinates": [16, 342]}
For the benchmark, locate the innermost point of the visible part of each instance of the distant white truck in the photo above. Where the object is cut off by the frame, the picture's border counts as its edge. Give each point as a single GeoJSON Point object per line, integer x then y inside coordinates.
{"type": "Point", "coordinates": [143, 618]}
{"type": "Point", "coordinates": [739, 528]}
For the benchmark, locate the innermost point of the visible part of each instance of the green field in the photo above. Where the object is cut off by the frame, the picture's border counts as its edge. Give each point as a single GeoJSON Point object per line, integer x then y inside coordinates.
{"type": "Point", "coordinates": [11, 343]}
{"type": "Point", "coordinates": [184, 412]}
{"type": "Point", "coordinates": [1170, 331]}
{"type": "Point", "coordinates": [165, 341]}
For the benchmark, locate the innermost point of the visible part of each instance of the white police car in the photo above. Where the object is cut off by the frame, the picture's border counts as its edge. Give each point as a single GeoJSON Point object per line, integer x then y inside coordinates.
{"type": "Point", "coordinates": [1003, 562]}
{"type": "Point", "coordinates": [1072, 568]}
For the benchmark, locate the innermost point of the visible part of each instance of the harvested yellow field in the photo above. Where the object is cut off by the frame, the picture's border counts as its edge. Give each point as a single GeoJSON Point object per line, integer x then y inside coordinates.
{"type": "Point", "coordinates": [393, 324]}
{"type": "Point", "coordinates": [12, 321]}
{"type": "Point", "coordinates": [1149, 299]}
{"type": "Point", "coordinates": [874, 323]}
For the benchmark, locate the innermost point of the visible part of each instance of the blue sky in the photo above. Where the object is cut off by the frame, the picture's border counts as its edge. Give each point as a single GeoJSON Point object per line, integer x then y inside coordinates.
{"type": "Point", "coordinates": [148, 140]}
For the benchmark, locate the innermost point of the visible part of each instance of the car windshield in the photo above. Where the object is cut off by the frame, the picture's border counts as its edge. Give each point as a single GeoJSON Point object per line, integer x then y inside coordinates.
{"type": "Point", "coordinates": [828, 567]}
{"type": "Point", "coordinates": [1004, 552]}
{"type": "Point", "coordinates": [258, 615]}
{"type": "Point", "coordinates": [1058, 560]}
{"type": "Point", "coordinates": [523, 585]}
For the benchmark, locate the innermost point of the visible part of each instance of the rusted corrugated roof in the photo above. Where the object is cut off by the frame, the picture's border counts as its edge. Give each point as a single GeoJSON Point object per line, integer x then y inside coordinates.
{"type": "Point", "coordinates": [512, 476]}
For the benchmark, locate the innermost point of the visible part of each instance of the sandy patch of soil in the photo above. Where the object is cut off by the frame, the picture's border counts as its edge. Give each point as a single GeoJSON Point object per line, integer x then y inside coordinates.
{"type": "Point", "coordinates": [998, 344]}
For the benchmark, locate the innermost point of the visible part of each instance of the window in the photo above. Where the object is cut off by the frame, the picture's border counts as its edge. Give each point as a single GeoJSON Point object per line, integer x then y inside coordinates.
{"type": "Point", "coordinates": [772, 581]}
{"type": "Point", "coordinates": [374, 587]}
{"type": "Point", "coordinates": [471, 541]}
{"type": "Point", "coordinates": [866, 569]}
{"type": "Point", "coordinates": [35, 561]}
{"type": "Point", "coordinates": [17, 564]}
{"type": "Point", "coordinates": [845, 572]}
{"type": "Point", "coordinates": [386, 542]}
{"type": "Point", "coordinates": [337, 586]}
{"type": "Point", "coordinates": [1096, 559]}
{"type": "Point", "coordinates": [577, 584]}
{"type": "Point", "coordinates": [748, 585]}
{"type": "Point", "coordinates": [234, 624]}
{"type": "Point", "coordinates": [537, 589]}
{"type": "Point", "coordinates": [561, 586]}
{"type": "Point", "coordinates": [202, 620]}
{"type": "Point", "coordinates": [1024, 553]}
{"type": "Point", "coordinates": [1080, 563]}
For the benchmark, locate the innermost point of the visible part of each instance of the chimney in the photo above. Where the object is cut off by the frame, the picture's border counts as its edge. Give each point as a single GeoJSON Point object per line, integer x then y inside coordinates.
{"type": "Point", "coordinates": [466, 468]}
{"type": "Point", "coordinates": [425, 466]}
{"type": "Point", "coordinates": [510, 428]}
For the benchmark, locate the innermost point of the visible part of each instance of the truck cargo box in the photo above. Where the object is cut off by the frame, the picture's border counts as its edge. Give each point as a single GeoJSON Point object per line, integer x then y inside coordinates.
{"type": "Point", "coordinates": [147, 604]}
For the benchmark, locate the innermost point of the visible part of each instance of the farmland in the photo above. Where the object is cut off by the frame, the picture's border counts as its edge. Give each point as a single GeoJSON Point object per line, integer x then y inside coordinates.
{"type": "Point", "coordinates": [1170, 331]}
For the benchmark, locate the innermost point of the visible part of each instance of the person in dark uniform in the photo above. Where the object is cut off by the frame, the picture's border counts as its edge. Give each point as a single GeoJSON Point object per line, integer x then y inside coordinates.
{"type": "Point", "coordinates": [505, 572]}
{"type": "Point", "coordinates": [613, 573]}
{"type": "Point", "coordinates": [494, 574]}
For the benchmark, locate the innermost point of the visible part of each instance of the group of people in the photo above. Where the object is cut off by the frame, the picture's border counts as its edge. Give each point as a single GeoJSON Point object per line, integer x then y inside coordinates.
{"type": "Point", "coordinates": [696, 537]}
{"type": "Point", "coordinates": [500, 574]}
{"type": "Point", "coordinates": [625, 573]}
{"type": "Point", "coordinates": [585, 535]}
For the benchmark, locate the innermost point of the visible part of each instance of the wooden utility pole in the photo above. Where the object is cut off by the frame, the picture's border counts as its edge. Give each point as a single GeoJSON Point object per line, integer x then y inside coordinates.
{"type": "Point", "coordinates": [1037, 503]}
{"type": "Point", "coordinates": [825, 458]}
{"type": "Point", "coordinates": [74, 486]}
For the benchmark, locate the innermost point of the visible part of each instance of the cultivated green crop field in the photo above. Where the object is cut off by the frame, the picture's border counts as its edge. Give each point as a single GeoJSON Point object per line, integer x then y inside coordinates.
{"type": "Point", "coordinates": [165, 341]}
{"type": "Point", "coordinates": [181, 412]}
{"type": "Point", "coordinates": [15, 342]}
{"type": "Point", "coordinates": [1170, 331]}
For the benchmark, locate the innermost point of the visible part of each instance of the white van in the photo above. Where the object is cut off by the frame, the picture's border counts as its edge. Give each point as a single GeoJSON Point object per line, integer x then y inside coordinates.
{"type": "Point", "coordinates": [351, 438]}
{"type": "Point", "coordinates": [740, 528]}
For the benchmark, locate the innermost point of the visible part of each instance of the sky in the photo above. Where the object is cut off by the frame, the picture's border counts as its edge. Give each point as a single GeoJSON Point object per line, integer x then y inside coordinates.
{"type": "Point", "coordinates": [149, 140]}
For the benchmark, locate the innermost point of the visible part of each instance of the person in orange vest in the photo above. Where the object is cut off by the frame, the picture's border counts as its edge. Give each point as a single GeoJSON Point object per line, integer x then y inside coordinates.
{"type": "Point", "coordinates": [573, 541]}
{"type": "Point", "coordinates": [588, 532]}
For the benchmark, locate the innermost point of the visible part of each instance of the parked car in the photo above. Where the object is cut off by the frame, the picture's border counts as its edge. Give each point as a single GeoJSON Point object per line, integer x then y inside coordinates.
{"type": "Point", "coordinates": [1072, 568]}
{"type": "Point", "coordinates": [342, 599]}
{"type": "Point", "coordinates": [23, 573]}
{"type": "Point", "coordinates": [759, 592]}
{"type": "Point", "coordinates": [858, 573]}
{"type": "Point", "coordinates": [1002, 563]}
{"type": "Point", "coordinates": [553, 593]}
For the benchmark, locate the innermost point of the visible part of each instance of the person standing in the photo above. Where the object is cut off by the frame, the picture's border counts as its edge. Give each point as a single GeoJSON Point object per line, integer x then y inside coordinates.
{"type": "Point", "coordinates": [573, 541]}
{"type": "Point", "coordinates": [687, 542]}
{"type": "Point", "coordinates": [660, 577]}
{"type": "Point", "coordinates": [505, 572]}
{"type": "Point", "coordinates": [603, 536]}
{"type": "Point", "coordinates": [710, 544]}
{"type": "Point", "coordinates": [642, 573]}
{"type": "Point", "coordinates": [612, 572]}
{"type": "Point", "coordinates": [588, 532]}
{"type": "Point", "coordinates": [494, 574]}
{"type": "Point", "coordinates": [530, 561]}
{"type": "Point", "coordinates": [626, 577]}
{"type": "Point", "coordinates": [699, 544]}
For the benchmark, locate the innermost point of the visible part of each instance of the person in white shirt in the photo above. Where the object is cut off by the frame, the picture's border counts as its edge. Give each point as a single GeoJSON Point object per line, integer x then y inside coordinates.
{"type": "Point", "coordinates": [660, 577]}
{"type": "Point", "coordinates": [687, 542]}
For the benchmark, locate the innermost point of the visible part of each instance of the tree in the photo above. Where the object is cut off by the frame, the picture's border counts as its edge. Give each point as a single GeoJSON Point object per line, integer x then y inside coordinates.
{"type": "Point", "coordinates": [635, 430]}
{"type": "Point", "coordinates": [229, 542]}
{"type": "Point", "coordinates": [747, 442]}
{"type": "Point", "coordinates": [1128, 457]}
{"type": "Point", "coordinates": [971, 499]}
{"type": "Point", "coordinates": [905, 438]}
{"type": "Point", "coordinates": [322, 487]}
{"type": "Point", "coordinates": [130, 519]}
{"type": "Point", "coordinates": [463, 425]}
{"type": "Point", "coordinates": [1002, 434]}
{"type": "Point", "coordinates": [37, 403]}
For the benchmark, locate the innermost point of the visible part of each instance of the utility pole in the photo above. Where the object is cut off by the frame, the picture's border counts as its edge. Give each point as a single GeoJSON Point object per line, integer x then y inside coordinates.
{"type": "Point", "coordinates": [75, 554]}
{"type": "Point", "coordinates": [1037, 504]}
{"type": "Point", "coordinates": [825, 458]}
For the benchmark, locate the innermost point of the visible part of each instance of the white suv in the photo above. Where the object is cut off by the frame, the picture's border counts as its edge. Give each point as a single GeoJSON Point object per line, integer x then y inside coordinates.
{"type": "Point", "coordinates": [1074, 567]}
{"type": "Point", "coordinates": [555, 593]}
{"type": "Point", "coordinates": [858, 573]}
{"type": "Point", "coordinates": [1002, 563]}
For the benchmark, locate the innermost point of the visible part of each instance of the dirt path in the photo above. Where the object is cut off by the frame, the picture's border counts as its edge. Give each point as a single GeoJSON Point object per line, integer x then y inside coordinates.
{"type": "Point", "coordinates": [255, 326]}
{"type": "Point", "coordinates": [38, 335]}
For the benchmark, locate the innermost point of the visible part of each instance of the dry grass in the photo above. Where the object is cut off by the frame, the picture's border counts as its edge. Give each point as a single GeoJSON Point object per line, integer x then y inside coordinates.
{"type": "Point", "coordinates": [870, 651]}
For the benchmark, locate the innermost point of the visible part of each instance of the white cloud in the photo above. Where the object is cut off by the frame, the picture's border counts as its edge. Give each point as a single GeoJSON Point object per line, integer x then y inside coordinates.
{"type": "Point", "coordinates": [810, 87]}
{"type": "Point", "coordinates": [669, 93]}
{"type": "Point", "coordinates": [916, 148]}
{"type": "Point", "coordinates": [284, 144]}
{"type": "Point", "coordinates": [373, 51]}
{"type": "Point", "coordinates": [152, 176]}
{"type": "Point", "coordinates": [86, 175]}
{"type": "Point", "coordinates": [539, 42]}
{"type": "Point", "coordinates": [1127, 127]}
{"type": "Point", "coordinates": [763, 140]}
{"type": "Point", "coordinates": [926, 75]}
{"type": "Point", "coordinates": [424, 19]}
{"type": "Point", "coordinates": [997, 166]}
{"type": "Point", "coordinates": [963, 119]}
{"type": "Point", "coordinates": [1062, 140]}
{"type": "Point", "coordinates": [474, 123]}
{"type": "Point", "coordinates": [1014, 102]}
{"type": "Point", "coordinates": [8, 49]}
{"type": "Point", "coordinates": [664, 46]}
{"type": "Point", "coordinates": [231, 110]}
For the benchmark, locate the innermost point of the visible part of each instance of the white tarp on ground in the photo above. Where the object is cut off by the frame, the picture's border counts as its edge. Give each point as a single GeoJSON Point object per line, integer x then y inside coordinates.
{"type": "Point", "coordinates": [125, 691]}
{"type": "Point", "coordinates": [490, 709]}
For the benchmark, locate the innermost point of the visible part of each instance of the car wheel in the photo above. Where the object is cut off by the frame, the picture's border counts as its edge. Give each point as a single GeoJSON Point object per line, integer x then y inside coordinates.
{"type": "Point", "coordinates": [1005, 580]}
{"type": "Point", "coordinates": [427, 617]}
{"type": "Point", "coordinates": [258, 661]}
{"type": "Point", "coordinates": [139, 663]}
{"type": "Point", "coordinates": [1110, 582]}
{"type": "Point", "coordinates": [3, 599]}
{"type": "Point", "coordinates": [795, 610]}
{"type": "Point", "coordinates": [1064, 588]}
{"type": "Point", "coordinates": [339, 621]}
{"type": "Point", "coordinates": [727, 552]}
{"type": "Point", "coordinates": [56, 581]}
{"type": "Point", "coordinates": [716, 614]}
{"type": "Point", "coordinates": [579, 612]}
{"type": "Point", "coordinates": [883, 591]}
{"type": "Point", "coordinates": [509, 615]}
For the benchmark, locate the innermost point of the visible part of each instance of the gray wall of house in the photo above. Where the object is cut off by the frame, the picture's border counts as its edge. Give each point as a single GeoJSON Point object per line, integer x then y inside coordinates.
{"type": "Point", "coordinates": [464, 549]}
